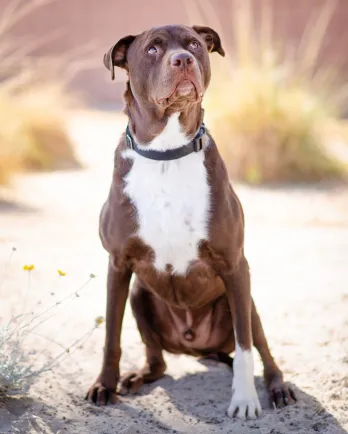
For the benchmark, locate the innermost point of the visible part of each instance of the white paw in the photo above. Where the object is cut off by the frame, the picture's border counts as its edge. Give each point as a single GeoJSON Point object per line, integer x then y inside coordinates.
{"type": "Point", "coordinates": [244, 406]}
{"type": "Point", "coordinates": [245, 403]}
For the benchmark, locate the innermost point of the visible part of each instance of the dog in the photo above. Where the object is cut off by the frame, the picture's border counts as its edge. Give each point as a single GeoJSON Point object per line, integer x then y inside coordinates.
{"type": "Point", "coordinates": [173, 220]}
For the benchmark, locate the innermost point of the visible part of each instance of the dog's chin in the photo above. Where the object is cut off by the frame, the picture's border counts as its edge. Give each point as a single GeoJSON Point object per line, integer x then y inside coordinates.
{"type": "Point", "coordinates": [184, 94]}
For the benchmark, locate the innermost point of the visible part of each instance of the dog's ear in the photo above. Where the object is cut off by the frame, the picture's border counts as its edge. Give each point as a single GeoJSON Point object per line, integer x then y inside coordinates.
{"type": "Point", "coordinates": [117, 55]}
{"type": "Point", "coordinates": [211, 38]}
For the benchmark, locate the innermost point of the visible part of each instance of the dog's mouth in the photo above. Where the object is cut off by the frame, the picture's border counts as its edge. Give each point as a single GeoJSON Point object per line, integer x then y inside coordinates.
{"type": "Point", "coordinates": [185, 90]}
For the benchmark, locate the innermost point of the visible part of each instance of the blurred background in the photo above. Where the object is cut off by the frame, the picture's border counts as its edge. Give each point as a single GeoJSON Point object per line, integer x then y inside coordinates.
{"type": "Point", "coordinates": [278, 110]}
{"type": "Point", "coordinates": [284, 80]}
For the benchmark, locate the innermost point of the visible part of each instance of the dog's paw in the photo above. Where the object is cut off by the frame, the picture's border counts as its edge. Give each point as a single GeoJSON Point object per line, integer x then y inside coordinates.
{"type": "Point", "coordinates": [281, 394]}
{"type": "Point", "coordinates": [130, 382]}
{"type": "Point", "coordinates": [101, 395]}
{"type": "Point", "coordinates": [244, 406]}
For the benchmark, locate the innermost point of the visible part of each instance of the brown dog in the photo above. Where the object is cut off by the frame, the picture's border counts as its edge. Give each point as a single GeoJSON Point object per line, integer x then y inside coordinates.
{"type": "Point", "coordinates": [173, 219]}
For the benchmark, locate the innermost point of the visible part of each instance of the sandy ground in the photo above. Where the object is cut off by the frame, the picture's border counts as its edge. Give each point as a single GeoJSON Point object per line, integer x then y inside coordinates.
{"type": "Point", "coordinates": [297, 246]}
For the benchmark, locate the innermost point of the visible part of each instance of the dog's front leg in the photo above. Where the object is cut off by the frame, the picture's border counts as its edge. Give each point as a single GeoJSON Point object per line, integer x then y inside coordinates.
{"type": "Point", "coordinates": [244, 403]}
{"type": "Point", "coordinates": [104, 388]}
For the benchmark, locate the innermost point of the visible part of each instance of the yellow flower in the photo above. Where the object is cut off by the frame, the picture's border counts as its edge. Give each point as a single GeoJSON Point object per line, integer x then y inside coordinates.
{"type": "Point", "coordinates": [28, 267]}
{"type": "Point", "coordinates": [99, 320]}
{"type": "Point", "coordinates": [61, 273]}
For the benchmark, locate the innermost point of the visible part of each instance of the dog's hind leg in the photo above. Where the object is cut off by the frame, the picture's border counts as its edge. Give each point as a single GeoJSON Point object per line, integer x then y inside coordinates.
{"type": "Point", "coordinates": [220, 357]}
{"type": "Point", "coordinates": [280, 393]}
{"type": "Point", "coordinates": [155, 366]}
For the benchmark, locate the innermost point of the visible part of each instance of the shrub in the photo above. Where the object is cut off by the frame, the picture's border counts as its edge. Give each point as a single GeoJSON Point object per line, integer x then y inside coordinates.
{"type": "Point", "coordinates": [273, 116]}
{"type": "Point", "coordinates": [33, 108]}
{"type": "Point", "coordinates": [33, 133]}
{"type": "Point", "coordinates": [20, 364]}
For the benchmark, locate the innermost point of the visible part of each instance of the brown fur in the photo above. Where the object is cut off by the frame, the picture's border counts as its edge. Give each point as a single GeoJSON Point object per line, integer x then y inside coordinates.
{"type": "Point", "coordinates": [199, 313]}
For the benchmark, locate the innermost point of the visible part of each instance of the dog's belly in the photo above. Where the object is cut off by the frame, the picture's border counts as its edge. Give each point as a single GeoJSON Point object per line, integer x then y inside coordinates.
{"type": "Point", "coordinates": [200, 331]}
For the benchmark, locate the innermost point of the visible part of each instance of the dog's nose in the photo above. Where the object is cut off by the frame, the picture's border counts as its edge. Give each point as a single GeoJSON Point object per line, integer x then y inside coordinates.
{"type": "Point", "coordinates": [181, 60]}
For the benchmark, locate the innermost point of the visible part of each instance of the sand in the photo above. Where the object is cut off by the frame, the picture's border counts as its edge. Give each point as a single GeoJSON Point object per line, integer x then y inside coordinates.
{"type": "Point", "coordinates": [297, 246]}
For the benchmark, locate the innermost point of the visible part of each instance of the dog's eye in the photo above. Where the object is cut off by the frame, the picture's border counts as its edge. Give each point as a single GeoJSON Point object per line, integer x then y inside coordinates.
{"type": "Point", "coordinates": [194, 45]}
{"type": "Point", "coordinates": [152, 50]}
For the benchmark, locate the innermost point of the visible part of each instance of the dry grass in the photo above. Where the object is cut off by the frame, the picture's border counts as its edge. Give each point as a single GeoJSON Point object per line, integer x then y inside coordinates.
{"type": "Point", "coordinates": [273, 115]}
{"type": "Point", "coordinates": [33, 105]}
{"type": "Point", "coordinates": [20, 363]}
{"type": "Point", "coordinates": [33, 133]}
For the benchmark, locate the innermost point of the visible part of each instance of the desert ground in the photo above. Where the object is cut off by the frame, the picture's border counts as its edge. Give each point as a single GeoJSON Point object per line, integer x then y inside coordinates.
{"type": "Point", "coordinates": [297, 247]}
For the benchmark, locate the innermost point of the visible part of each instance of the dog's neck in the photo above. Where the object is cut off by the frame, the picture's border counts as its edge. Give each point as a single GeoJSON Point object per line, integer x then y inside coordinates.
{"type": "Point", "coordinates": [147, 121]}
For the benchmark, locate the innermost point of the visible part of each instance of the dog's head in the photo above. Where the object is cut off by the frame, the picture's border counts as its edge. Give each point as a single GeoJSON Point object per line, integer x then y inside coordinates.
{"type": "Point", "coordinates": [167, 66]}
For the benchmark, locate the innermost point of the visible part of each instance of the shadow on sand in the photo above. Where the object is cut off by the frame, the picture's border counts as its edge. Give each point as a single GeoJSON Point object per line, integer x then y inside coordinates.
{"type": "Point", "coordinates": [205, 396]}
{"type": "Point", "coordinates": [199, 399]}
{"type": "Point", "coordinates": [17, 415]}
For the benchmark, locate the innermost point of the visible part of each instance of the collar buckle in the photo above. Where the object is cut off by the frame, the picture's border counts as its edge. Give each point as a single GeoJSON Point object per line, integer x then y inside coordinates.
{"type": "Point", "coordinates": [129, 141]}
{"type": "Point", "coordinates": [198, 144]}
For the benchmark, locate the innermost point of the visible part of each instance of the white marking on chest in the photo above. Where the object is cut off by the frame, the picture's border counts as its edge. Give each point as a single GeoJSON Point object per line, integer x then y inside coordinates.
{"type": "Point", "coordinates": [171, 199]}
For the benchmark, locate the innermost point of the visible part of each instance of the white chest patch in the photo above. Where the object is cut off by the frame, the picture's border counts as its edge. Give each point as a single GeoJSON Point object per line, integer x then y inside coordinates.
{"type": "Point", "coordinates": [171, 198]}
